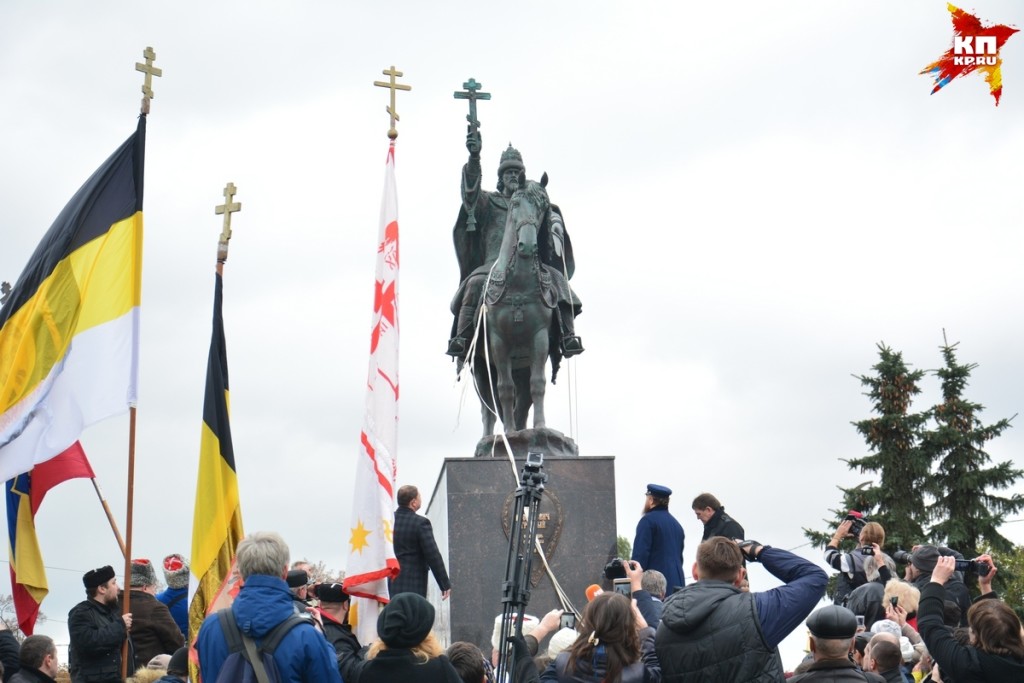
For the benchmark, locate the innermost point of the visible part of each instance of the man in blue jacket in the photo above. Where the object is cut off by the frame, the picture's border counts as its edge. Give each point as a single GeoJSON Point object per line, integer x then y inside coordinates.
{"type": "Point", "coordinates": [304, 655]}
{"type": "Point", "coordinates": [658, 543]}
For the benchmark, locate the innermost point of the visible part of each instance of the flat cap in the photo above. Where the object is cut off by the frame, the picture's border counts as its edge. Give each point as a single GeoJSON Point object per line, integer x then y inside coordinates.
{"type": "Point", "coordinates": [658, 491]}
{"type": "Point", "coordinates": [833, 622]}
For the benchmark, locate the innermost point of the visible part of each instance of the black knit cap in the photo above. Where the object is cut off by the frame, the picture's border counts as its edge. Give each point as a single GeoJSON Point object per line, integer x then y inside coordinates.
{"type": "Point", "coordinates": [405, 621]}
{"type": "Point", "coordinates": [94, 578]}
{"type": "Point", "coordinates": [179, 661]}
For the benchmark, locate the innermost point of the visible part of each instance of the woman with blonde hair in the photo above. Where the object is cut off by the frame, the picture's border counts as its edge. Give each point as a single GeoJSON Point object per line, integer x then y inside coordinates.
{"type": "Point", "coordinates": [615, 645]}
{"type": "Point", "coordinates": [406, 649]}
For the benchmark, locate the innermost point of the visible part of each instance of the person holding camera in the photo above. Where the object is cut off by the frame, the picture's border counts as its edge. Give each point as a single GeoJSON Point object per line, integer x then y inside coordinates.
{"type": "Point", "coordinates": [711, 631]}
{"type": "Point", "coordinates": [996, 649]}
{"type": "Point", "coordinates": [615, 645]}
{"type": "Point", "coordinates": [923, 560]}
{"type": "Point", "coordinates": [647, 588]}
{"type": "Point", "coordinates": [866, 563]}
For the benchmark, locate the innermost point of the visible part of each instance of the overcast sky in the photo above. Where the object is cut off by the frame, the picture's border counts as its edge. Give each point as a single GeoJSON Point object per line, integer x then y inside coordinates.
{"type": "Point", "coordinates": [757, 194]}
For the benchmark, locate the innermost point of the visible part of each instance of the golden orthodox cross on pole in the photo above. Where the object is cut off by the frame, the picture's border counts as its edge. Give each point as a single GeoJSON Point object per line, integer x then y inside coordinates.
{"type": "Point", "coordinates": [392, 132]}
{"type": "Point", "coordinates": [227, 208]}
{"type": "Point", "coordinates": [150, 71]}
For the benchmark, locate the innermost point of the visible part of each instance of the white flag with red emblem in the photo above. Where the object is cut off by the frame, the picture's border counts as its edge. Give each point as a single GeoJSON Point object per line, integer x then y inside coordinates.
{"type": "Point", "coordinates": [371, 559]}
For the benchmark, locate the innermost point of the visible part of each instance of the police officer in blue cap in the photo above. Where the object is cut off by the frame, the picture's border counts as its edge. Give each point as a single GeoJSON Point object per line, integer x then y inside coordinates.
{"type": "Point", "coordinates": [659, 538]}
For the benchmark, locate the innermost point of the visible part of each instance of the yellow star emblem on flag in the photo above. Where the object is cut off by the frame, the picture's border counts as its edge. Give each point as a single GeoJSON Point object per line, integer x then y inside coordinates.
{"type": "Point", "coordinates": [387, 531]}
{"type": "Point", "coordinates": [359, 535]}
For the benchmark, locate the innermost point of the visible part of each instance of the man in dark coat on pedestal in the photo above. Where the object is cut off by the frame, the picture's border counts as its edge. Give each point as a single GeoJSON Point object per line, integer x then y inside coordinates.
{"type": "Point", "coordinates": [711, 514]}
{"type": "Point", "coordinates": [415, 549]}
{"type": "Point", "coordinates": [659, 539]}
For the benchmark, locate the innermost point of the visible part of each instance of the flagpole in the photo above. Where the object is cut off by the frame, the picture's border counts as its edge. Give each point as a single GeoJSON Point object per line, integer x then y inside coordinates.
{"type": "Point", "coordinates": [110, 517]}
{"type": "Point", "coordinates": [147, 94]}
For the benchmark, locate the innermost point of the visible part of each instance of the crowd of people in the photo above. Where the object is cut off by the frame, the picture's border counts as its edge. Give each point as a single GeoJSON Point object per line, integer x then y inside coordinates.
{"type": "Point", "coordinates": [922, 627]}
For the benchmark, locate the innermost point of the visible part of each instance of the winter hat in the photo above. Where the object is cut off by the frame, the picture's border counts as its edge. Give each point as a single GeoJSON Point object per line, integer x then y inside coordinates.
{"type": "Point", "coordinates": [907, 649]}
{"type": "Point", "coordinates": [94, 578]}
{"type": "Point", "coordinates": [405, 621]}
{"type": "Point", "coordinates": [176, 571]}
{"type": "Point", "coordinates": [925, 557]}
{"type": "Point", "coordinates": [530, 622]}
{"type": "Point", "coordinates": [887, 626]}
{"type": "Point", "coordinates": [160, 661]}
{"type": "Point", "coordinates": [179, 661]}
{"type": "Point", "coordinates": [561, 640]}
{"type": "Point", "coordinates": [143, 573]}
{"type": "Point", "coordinates": [331, 592]}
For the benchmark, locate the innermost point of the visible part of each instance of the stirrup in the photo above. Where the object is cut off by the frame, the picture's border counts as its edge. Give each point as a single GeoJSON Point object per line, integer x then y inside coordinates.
{"type": "Point", "coordinates": [456, 347]}
{"type": "Point", "coordinates": [572, 346]}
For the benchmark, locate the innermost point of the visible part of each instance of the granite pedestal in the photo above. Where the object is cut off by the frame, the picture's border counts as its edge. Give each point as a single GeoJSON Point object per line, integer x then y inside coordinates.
{"type": "Point", "coordinates": [470, 510]}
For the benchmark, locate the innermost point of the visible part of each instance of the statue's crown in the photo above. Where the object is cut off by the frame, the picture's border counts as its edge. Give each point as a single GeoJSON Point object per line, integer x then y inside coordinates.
{"type": "Point", "coordinates": [510, 158]}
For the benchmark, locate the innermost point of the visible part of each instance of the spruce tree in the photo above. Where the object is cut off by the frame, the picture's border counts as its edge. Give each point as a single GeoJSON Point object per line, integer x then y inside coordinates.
{"type": "Point", "coordinates": [897, 501]}
{"type": "Point", "coordinates": [966, 512]}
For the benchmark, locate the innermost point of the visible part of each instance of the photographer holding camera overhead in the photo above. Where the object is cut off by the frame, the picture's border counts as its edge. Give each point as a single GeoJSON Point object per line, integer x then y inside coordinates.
{"type": "Point", "coordinates": [866, 563]}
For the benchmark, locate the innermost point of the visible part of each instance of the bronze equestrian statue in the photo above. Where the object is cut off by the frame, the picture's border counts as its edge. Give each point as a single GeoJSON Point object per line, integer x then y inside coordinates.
{"type": "Point", "coordinates": [521, 281]}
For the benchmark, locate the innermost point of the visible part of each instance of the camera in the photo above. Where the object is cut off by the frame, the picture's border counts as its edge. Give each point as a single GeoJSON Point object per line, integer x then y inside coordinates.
{"type": "Point", "coordinates": [616, 569]}
{"type": "Point", "coordinates": [867, 551]}
{"type": "Point", "coordinates": [622, 586]}
{"type": "Point", "coordinates": [894, 601]}
{"type": "Point", "coordinates": [534, 460]}
{"type": "Point", "coordinates": [857, 522]}
{"type": "Point", "coordinates": [567, 620]}
{"type": "Point", "coordinates": [901, 556]}
{"type": "Point", "coordinates": [973, 567]}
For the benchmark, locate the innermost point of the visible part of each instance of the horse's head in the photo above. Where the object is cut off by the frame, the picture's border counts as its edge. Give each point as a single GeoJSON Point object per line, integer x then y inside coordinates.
{"type": "Point", "coordinates": [528, 207]}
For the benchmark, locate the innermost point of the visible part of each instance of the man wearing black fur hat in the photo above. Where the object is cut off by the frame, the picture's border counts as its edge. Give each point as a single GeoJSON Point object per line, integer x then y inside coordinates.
{"type": "Point", "coordinates": [97, 631]}
{"type": "Point", "coordinates": [333, 612]}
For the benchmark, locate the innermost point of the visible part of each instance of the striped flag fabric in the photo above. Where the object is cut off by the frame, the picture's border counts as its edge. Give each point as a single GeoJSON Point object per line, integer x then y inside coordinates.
{"type": "Point", "coordinates": [217, 522]}
{"type": "Point", "coordinates": [69, 333]}
{"type": "Point", "coordinates": [24, 495]}
{"type": "Point", "coordinates": [371, 560]}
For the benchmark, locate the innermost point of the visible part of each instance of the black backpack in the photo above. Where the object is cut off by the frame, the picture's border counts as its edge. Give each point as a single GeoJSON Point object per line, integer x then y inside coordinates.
{"type": "Point", "coordinates": [239, 666]}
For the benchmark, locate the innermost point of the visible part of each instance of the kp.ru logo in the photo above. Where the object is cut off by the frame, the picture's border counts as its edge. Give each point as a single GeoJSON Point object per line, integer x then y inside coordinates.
{"type": "Point", "coordinates": [974, 47]}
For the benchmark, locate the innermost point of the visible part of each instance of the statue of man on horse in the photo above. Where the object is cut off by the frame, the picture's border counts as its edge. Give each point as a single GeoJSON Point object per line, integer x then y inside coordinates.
{"type": "Point", "coordinates": [478, 235]}
{"type": "Point", "coordinates": [515, 255]}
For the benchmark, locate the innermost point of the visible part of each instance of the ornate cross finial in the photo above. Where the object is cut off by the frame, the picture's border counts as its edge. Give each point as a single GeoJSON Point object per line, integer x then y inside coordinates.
{"type": "Point", "coordinates": [5, 291]}
{"type": "Point", "coordinates": [470, 93]}
{"type": "Point", "coordinates": [150, 71]}
{"type": "Point", "coordinates": [392, 132]}
{"type": "Point", "coordinates": [227, 208]}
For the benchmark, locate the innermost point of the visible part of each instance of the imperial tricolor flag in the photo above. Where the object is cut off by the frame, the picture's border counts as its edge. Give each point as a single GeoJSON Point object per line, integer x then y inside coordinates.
{"type": "Point", "coordinates": [69, 331]}
{"type": "Point", "coordinates": [24, 495]}
{"type": "Point", "coordinates": [371, 560]}
{"type": "Point", "coordinates": [217, 522]}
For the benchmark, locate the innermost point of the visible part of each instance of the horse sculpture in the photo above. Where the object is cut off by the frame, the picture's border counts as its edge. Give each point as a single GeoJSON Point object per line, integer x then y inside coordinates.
{"type": "Point", "coordinates": [518, 301]}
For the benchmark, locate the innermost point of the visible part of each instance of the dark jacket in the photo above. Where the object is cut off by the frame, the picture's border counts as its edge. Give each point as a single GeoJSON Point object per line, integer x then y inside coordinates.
{"type": "Point", "coordinates": [956, 591]}
{"type": "Point", "coordinates": [961, 663]}
{"type": "Point", "coordinates": [416, 552]}
{"type": "Point", "coordinates": [96, 633]}
{"type": "Point", "coordinates": [722, 524]}
{"type": "Point", "coordinates": [31, 676]}
{"type": "Point", "coordinates": [646, 670]}
{"type": "Point", "coordinates": [9, 650]}
{"type": "Point", "coordinates": [711, 631]}
{"type": "Point", "coordinates": [650, 607]}
{"type": "Point", "coordinates": [303, 656]}
{"type": "Point", "coordinates": [833, 671]}
{"type": "Point", "coordinates": [337, 633]}
{"type": "Point", "coordinates": [176, 600]}
{"type": "Point", "coordinates": [154, 631]}
{"type": "Point", "coordinates": [658, 544]}
{"type": "Point", "coordinates": [401, 666]}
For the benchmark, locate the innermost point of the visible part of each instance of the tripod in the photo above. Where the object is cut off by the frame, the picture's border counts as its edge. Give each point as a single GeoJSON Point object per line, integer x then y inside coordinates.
{"type": "Point", "coordinates": [516, 587]}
